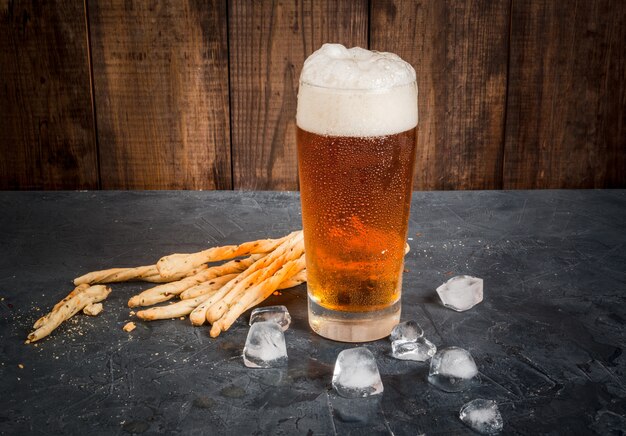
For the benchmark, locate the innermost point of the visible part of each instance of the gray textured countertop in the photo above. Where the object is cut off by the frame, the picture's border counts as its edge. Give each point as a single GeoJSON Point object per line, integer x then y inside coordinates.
{"type": "Point", "coordinates": [547, 339]}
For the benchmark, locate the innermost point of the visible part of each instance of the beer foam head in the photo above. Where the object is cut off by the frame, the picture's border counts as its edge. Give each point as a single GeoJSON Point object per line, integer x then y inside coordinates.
{"type": "Point", "coordinates": [338, 67]}
{"type": "Point", "coordinates": [356, 92]}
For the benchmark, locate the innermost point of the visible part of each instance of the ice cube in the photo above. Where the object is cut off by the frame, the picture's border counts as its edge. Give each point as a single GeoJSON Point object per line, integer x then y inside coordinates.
{"type": "Point", "coordinates": [265, 346]}
{"type": "Point", "coordinates": [452, 369]}
{"type": "Point", "coordinates": [421, 350]}
{"type": "Point", "coordinates": [407, 331]}
{"type": "Point", "coordinates": [278, 314]}
{"type": "Point", "coordinates": [461, 293]}
{"type": "Point", "coordinates": [482, 416]}
{"type": "Point", "coordinates": [356, 374]}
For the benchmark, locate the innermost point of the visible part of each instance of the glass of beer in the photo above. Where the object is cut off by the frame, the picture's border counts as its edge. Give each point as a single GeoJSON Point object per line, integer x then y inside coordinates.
{"type": "Point", "coordinates": [356, 136]}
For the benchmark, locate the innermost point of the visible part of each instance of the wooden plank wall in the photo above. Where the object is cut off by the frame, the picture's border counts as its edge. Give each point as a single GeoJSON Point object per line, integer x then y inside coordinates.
{"type": "Point", "coordinates": [566, 111]}
{"type": "Point", "coordinates": [47, 135]}
{"type": "Point", "coordinates": [160, 74]}
{"type": "Point", "coordinates": [195, 94]}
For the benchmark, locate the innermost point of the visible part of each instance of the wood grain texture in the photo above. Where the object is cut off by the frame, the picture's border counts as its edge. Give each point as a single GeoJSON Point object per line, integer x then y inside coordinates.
{"type": "Point", "coordinates": [567, 95]}
{"type": "Point", "coordinates": [161, 90]}
{"type": "Point", "coordinates": [46, 121]}
{"type": "Point", "coordinates": [459, 51]}
{"type": "Point", "coordinates": [175, 80]}
{"type": "Point", "coordinates": [269, 42]}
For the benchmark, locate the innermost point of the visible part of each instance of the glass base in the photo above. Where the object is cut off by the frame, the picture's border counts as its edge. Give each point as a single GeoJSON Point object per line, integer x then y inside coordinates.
{"type": "Point", "coordinates": [353, 326]}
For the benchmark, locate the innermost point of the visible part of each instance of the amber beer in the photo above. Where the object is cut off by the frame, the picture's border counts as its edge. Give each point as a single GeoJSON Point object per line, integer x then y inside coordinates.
{"type": "Point", "coordinates": [356, 155]}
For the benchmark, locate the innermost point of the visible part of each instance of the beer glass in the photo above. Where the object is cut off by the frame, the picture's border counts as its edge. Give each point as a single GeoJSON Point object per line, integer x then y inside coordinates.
{"type": "Point", "coordinates": [356, 137]}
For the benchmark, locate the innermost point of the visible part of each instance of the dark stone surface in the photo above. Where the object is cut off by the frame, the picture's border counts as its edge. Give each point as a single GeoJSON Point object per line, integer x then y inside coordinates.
{"type": "Point", "coordinates": [548, 338]}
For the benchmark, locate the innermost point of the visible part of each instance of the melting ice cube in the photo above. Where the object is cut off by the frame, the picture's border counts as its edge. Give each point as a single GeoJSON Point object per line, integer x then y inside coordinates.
{"type": "Point", "coordinates": [407, 331]}
{"type": "Point", "coordinates": [482, 416]}
{"type": "Point", "coordinates": [421, 350]}
{"type": "Point", "coordinates": [265, 346]}
{"type": "Point", "coordinates": [461, 293]}
{"type": "Point", "coordinates": [452, 369]}
{"type": "Point", "coordinates": [278, 314]}
{"type": "Point", "coordinates": [356, 374]}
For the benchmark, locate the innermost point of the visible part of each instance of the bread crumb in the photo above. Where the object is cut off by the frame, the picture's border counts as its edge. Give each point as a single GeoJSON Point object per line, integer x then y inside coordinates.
{"type": "Point", "coordinates": [182, 317]}
{"type": "Point", "coordinates": [132, 313]}
{"type": "Point", "coordinates": [276, 293]}
{"type": "Point", "coordinates": [129, 327]}
{"type": "Point", "coordinates": [20, 366]}
{"type": "Point", "coordinates": [93, 309]}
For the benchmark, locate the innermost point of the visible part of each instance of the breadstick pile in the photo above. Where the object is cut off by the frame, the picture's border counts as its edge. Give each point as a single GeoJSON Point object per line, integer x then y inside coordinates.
{"type": "Point", "coordinates": [217, 294]}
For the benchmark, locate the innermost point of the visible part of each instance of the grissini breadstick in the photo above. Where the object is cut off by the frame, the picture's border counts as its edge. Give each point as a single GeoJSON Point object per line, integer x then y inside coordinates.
{"type": "Point", "coordinates": [93, 294]}
{"type": "Point", "coordinates": [78, 289]}
{"type": "Point", "coordinates": [147, 273]}
{"type": "Point", "coordinates": [116, 275]}
{"type": "Point", "coordinates": [198, 316]}
{"type": "Point", "coordinates": [180, 308]}
{"type": "Point", "coordinates": [295, 280]}
{"type": "Point", "coordinates": [215, 312]}
{"type": "Point", "coordinates": [168, 265]}
{"type": "Point", "coordinates": [255, 295]}
{"type": "Point", "coordinates": [165, 292]}
{"type": "Point", "coordinates": [203, 288]}
{"type": "Point", "coordinates": [157, 278]}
